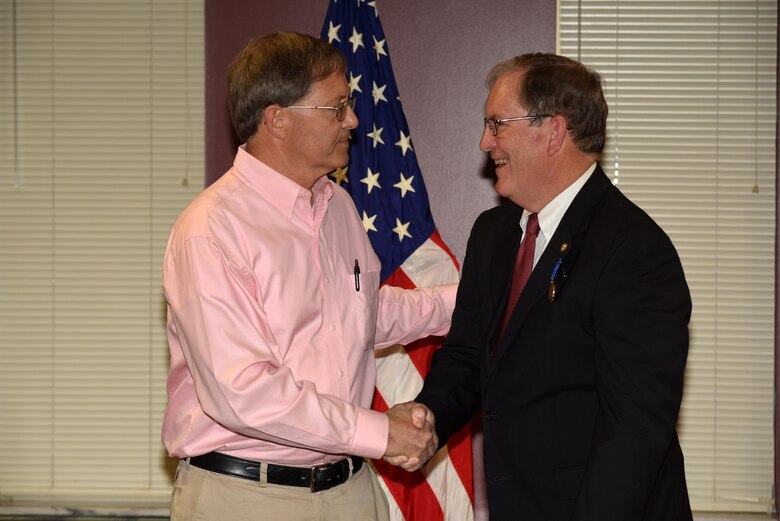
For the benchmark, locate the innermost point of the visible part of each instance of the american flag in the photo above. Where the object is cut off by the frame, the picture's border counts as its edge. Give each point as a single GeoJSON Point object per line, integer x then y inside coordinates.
{"type": "Point", "coordinates": [386, 184]}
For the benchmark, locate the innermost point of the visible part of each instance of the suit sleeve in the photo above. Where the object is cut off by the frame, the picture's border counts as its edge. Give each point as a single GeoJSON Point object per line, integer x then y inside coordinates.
{"type": "Point", "coordinates": [451, 388]}
{"type": "Point", "coordinates": [641, 311]}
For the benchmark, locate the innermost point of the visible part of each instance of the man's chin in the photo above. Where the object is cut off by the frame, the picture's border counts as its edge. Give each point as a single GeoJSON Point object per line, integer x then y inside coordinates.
{"type": "Point", "coordinates": [500, 188]}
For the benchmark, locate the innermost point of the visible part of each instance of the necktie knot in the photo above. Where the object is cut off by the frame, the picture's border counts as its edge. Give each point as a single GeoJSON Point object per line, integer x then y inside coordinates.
{"type": "Point", "coordinates": [532, 226]}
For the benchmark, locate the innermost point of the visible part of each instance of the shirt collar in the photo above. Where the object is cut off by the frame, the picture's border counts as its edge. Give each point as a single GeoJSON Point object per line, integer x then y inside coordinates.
{"type": "Point", "coordinates": [550, 216]}
{"type": "Point", "coordinates": [278, 190]}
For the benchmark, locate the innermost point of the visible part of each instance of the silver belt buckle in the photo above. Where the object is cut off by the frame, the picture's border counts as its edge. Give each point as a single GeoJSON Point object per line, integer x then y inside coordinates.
{"type": "Point", "coordinates": [312, 482]}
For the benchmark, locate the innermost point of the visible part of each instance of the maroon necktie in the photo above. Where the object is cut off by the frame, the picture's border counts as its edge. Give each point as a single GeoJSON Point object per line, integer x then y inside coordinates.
{"type": "Point", "coordinates": [524, 263]}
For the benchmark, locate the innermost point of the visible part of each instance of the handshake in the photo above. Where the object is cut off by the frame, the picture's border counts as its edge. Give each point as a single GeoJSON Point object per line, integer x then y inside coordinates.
{"type": "Point", "coordinates": [412, 439]}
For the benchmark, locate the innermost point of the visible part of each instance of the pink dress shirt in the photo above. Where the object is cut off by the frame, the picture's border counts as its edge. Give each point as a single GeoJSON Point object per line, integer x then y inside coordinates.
{"type": "Point", "coordinates": [271, 344]}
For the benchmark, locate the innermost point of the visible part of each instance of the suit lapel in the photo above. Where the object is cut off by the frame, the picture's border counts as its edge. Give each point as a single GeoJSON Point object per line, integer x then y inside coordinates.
{"type": "Point", "coordinates": [571, 231]}
{"type": "Point", "coordinates": [504, 246]}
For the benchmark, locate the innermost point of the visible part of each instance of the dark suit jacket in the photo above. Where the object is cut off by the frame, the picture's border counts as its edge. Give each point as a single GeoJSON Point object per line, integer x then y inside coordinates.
{"type": "Point", "coordinates": [580, 402]}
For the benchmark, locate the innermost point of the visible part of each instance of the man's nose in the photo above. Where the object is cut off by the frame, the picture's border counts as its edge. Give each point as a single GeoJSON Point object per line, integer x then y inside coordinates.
{"type": "Point", "coordinates": [488, 141]}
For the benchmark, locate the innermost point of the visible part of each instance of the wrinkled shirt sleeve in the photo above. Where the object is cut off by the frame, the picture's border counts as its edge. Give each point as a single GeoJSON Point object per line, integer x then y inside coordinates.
{"type": "Point", "coordinates": [408, 315]}
{"type": "Point", "coordinates": [240, 379]}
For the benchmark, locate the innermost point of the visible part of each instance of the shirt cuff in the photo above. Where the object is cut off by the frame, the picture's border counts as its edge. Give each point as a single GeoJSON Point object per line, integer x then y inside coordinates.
{"type": "Point", "coordinates": [371, 433]}
{"type": "Point", "coordinates": [448, 294]}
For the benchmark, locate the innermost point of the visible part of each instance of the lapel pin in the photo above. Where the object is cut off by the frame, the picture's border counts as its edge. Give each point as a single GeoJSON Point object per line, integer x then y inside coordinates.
{"type": "Point", "coordinates": [558, 272]}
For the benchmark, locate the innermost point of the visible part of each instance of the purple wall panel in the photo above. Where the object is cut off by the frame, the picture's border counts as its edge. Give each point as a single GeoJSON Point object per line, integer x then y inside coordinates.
{"type": "Point", "coordinates": [441, 51]}
{"type": "Point", "coordinates": [230, 24]}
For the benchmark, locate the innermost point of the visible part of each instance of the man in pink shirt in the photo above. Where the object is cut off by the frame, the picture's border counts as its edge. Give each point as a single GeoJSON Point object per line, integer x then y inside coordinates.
{"type": "Point", "coordinates": [271, 336]}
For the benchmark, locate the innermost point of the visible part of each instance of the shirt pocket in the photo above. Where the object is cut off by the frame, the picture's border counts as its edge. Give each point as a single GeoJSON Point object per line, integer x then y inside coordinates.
{"type": "Point", "coordinates": [358, 302]}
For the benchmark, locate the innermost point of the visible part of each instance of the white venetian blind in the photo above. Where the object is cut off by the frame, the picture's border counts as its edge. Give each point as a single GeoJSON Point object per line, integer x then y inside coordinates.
{"type": "Point", "coordinates": [101, 139]}
{"type": "Point", "coordinates": [691, 139]}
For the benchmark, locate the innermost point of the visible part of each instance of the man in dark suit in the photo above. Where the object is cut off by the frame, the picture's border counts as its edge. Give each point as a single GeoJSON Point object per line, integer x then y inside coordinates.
{"type": "Point", "coordinates": [580, 385]}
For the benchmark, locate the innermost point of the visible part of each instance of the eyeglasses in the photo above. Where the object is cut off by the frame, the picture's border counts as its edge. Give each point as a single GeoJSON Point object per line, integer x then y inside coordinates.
{"type": "Point", "coordinates": [492, 123]}
{"type": "Point", "coordinates": [341, 108]}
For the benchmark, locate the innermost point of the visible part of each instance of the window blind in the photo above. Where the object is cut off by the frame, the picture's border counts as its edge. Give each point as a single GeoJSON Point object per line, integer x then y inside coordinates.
{"type": "Point", "coordinates": [101, 134]}
{"type": "Point", "coordinates": [691, 139]}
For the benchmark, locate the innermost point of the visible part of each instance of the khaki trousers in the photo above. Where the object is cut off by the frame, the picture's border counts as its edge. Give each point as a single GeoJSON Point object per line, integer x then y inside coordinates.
{"type": "Point", "coordinates": [200, 495]}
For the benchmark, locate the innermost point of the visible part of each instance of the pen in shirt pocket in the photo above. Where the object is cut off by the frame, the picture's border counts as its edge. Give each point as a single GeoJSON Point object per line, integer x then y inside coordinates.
{"type": "Point", "coordinates": [357, 276]}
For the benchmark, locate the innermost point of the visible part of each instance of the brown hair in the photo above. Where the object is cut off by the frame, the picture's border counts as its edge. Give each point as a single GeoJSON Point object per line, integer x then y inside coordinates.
{"type": "Point", "coordinates": [553, 84]}
{"type": "Point", "coordinates": [278, 68]}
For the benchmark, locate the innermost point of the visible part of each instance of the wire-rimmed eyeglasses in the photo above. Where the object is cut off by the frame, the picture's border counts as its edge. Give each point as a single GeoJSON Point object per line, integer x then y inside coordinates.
{"type": "Point", "coordinates": [341, 108]}
{"type": "Point", "coordinates": [492, 124]}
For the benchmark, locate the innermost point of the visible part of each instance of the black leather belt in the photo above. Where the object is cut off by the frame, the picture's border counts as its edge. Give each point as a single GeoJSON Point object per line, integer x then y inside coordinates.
{"type": "Point", "coordinates": [315, 479]}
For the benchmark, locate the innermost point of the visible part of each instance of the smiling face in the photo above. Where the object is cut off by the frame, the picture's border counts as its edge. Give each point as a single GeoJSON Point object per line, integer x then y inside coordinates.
{"type": "Point", "coordinates": [318, 142]}
{"type": "Point", "coordinates": [519, 149]}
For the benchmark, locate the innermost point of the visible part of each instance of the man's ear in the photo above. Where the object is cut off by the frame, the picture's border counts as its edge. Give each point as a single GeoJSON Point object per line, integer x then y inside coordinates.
{"type": "Point", "coordinates": [274, 121]}
{"type": "Point", "coordinates": [558, 130]}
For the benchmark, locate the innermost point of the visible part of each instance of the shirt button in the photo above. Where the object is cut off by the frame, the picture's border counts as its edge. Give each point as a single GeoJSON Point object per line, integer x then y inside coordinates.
{"type": "Point", "coordinates": [341, 373]}
{"type": "Point", "coordinates": [333, 327]}
{"type": "Point", "coordinates": [327, 280]}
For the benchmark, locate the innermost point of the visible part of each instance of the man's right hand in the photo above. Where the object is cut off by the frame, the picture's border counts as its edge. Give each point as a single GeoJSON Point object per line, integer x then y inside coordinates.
{"type": "Point", "coordinates": [412, 439]}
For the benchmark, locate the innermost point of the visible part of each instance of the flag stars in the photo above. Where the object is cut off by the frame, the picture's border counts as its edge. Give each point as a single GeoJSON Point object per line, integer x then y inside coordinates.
{"type": "Point", "coordinates": [402, 229]}
{"type": "Point", "coordinates": [333, 32]}
{"type": "Point", "coordinates": [368, 222]}
{"type": "Point", "coordinates": [376, 9]}
{"type": "Point", "coordinates": [379, 47]}
{"type": "Point", "coordinates": [340, 175]}
{"type": "Point", "coordinates": [405, 143]}
{"type": "Point", "coordinates": [405, 185]}
{"type": "Point", "coordinates": [356, 40]}
{"type": "Point", "coordinates": [378, 93]}
{"type": "Point", "coordinates": [376, 135]}
{"type": "Point", "coordinates": [354, 83]}
{"type": "Point", "coordinates": [371, 180]}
